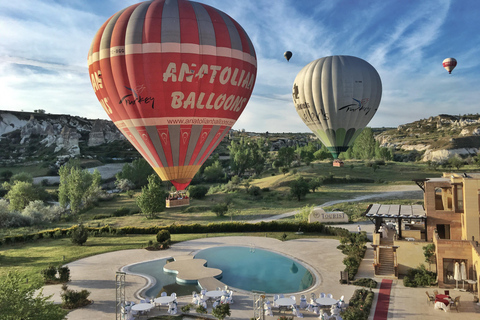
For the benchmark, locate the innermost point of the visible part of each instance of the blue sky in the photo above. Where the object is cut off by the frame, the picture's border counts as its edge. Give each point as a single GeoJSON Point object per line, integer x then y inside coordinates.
{"type": "Point", "coordinates": [44, 46]}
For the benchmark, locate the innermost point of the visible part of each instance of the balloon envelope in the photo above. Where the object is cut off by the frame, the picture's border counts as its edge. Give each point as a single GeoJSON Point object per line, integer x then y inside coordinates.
{"type": "Point", "coordinates": [173, 76]}
{"type": "Point", "coordinates": [287, 55]}
{"type": "Point", "coordinates": [449, 64]}
{"type": "Point", "coordinates": [336, 97]}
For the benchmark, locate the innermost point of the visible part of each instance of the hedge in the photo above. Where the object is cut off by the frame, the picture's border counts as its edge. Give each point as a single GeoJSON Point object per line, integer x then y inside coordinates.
{"type": "Point", "coordinates": [226, 227]}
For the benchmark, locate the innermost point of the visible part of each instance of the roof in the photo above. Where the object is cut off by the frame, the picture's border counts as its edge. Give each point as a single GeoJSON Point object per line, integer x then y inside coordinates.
{"type": "Point", "coordinates": [396, 211]}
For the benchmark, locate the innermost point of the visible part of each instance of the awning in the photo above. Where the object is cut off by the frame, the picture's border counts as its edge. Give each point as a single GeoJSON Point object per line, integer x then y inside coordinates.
{"type": "Point", "coordinates": [396, 211]}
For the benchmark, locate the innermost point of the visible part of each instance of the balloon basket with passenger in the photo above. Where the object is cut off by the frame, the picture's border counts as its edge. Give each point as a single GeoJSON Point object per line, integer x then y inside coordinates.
{"type": "Point", "coordinates": [177, 199]}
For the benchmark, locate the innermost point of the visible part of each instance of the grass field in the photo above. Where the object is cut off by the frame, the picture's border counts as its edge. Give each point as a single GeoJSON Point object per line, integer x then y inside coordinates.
{"type": "Point", "coordinates": [30, 258]}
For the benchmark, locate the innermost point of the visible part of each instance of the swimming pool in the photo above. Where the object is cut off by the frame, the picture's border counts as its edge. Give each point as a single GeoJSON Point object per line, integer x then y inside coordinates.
{"type": "Point", "coordinates": [161, 281]}
{"type": "Point", "coordinates": [250, 268]}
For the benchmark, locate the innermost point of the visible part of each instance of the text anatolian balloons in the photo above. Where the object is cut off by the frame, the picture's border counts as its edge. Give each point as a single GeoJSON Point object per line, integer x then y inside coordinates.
{"type": "Point", "coordinates": [449, 64]}
{"type": "Point", "coordinates": [336, 97]}
{"type": "Point", "coordinates": [174, 76]}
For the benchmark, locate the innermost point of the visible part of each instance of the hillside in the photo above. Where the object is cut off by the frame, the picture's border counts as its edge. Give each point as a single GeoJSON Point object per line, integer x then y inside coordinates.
{"type": "Point", "coordinates": [37, 137]}
{"type": "Point", "coordinates": [438, 138]}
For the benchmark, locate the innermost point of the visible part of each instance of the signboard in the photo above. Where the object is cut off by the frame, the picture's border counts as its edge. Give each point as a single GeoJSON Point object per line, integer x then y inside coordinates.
{"type": "Point", "coordinates": [319, 215]}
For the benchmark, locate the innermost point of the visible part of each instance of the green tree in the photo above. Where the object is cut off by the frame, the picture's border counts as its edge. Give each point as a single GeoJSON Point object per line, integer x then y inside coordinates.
{"type": "Point", "coordinates": [322, 154]}
{"type": "Point", "coordinates": [307, 153]}
{"type": "Point", "coordinates": [22, 176]}
{"type": "Point", "coordinates": [249, 154]}
{"type": "Point", "coordinates": [20, 301]}
{"type": "Point", "coordinates": [299, 188]}
{"type": "Point", "coordinates": [79, 235]}
{"type": "Point", "coordinates": [214, 172]}
{"type": "Point", "coordinates": [21, 193]}
{"type": "Point", "coordinates": [152, 198]}
{"type": "Point", "coordinates": [456, 162]}
{"type": "Point", "coordinates": [285, 156]}
{"type": "Point", "coordinates": [137, 172]}
{"type": "Point", "coordinates": [303, 214]}
{"type": "Point", "coordinates": [364, 146]}
{"type": "Point", "coordinates": [220, 209]}
{"type": "Point", "coordinates": [78, 187]}
{"type": "Point", "coordinates": [197, 192]}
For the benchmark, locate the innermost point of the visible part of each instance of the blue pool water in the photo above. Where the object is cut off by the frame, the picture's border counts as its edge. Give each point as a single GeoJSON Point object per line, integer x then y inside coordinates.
{"type": "Point", "coordinates": [250, 268]}
{"type": "Point", "coordinates": [163, 281]}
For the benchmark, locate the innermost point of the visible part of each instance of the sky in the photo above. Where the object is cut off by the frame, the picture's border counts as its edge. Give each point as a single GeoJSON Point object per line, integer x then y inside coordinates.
{"type": "Point", "coordinates": [44, 46]}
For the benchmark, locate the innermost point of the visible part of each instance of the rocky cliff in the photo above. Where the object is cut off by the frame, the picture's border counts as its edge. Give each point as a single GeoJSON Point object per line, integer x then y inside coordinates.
{"type": "Point", "coordinates": [437, 138]}
{"type": "Point", "coordinates": [30, 136]}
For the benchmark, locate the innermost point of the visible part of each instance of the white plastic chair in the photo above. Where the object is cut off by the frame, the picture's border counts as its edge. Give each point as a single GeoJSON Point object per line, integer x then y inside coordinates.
{"type": "Point", "coordinates": [296, 313]}
{"type": "Point", "coordinates": [322, 295]}
{"type": "Point", "coordinates": [330, 296]}
{"type": "Point", "coordinates": [163, 294]}
{"type": "Point", "coordinates": [294, 299]}
{"type": "Point", "coordinates": [172, 308]}
{"type": "Point", "coordinates": [195, 298]}
{"type": "Point", "coordinates": [303, 302]}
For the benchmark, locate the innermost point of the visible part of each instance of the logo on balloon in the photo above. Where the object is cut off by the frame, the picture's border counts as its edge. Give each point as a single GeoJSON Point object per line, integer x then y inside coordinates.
{"type": "Point", "coordinates": [358, 106]}
{"type": "Point", "coordinates": [137, 98]}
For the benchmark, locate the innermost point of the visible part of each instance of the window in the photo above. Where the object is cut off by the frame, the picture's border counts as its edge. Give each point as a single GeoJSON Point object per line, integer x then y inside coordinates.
{"type": "Point", "coordinates": [448, 271]}
{"type": "Point", "coordinates": [459, 198]}
{"type": "Point", "coordinates": [438, 199]}
{"type": "Point", "coordinates": [443, 231]}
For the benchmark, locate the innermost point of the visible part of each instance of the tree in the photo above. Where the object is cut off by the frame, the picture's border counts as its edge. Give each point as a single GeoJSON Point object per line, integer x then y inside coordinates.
{"type": "Point", "coordinates": [19, 301]}
{"type": "Point", "coordinates": [78, 188]}
{"type": "Point", "coordinates": [364, 146]}
{"type": "Point", "coordinates": [214, 172]}
{"type": "Point", "coordinates": [137, 172]}
{"type": "Point", "coordinates": [303, 214]}
{"type": "Point", "coordinates": [285, 156]}
{"type": "Point", "coordinates": [299, 188]}
{"type": "Point", "coordinates": [197, 192]}
{"type": "Point", "coordinates": [314, 184]}
{"type": "Point", "coordinates": [240, 156]}
{"type": "Point", "coordinates": [22, 176]}
{"type": "Point", "coordinates": [220, 209]}
{"type": "Point", "coordinates": [21, 193]}
{"type": "Point", "coordinates": [152, 198]}
{"type": "Point", "coordinates": [79, 235]}
{"type": "Point", "coordinates": [306, 153]}
{"type": "Point", "coordinates": [456, 162]}
{"type": "Point", "coordinates": [322, 154]}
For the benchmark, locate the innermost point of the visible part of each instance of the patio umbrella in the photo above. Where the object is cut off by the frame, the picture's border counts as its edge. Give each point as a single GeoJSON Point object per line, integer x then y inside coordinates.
{"type": "Point", "coordinates": [456, 274]}
{"type": "Point", "coordinates": [463, 273]}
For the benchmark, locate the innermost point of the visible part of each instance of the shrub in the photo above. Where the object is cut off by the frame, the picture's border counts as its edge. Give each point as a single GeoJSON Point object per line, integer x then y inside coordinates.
{"type": "Point", "coordinates": [201, 309]}
{"type": "Point", "coordinates": [186, 308]}
{"type": "Point", "coordinates": [74, 299]}
{"type": "Point", "coordinates": [255, 191]}
{"type": "Point", "coordinates": [359, 305]}
{"type": "Point", "coordinates": [197, 192]}
{"type": "Point", "coordinates": [220, 209]}
{"type": "Point", "coordinates": [163, 235]}
{"type": "Point", "coordinates": [221, 311]}
{"type": "Point", "coordinates": [365, 282]}
{"type": "Point", "coordinates": [419, 277]}
{"type": "Point", "coordinates": [49, 274]}
{"type": "Point", "coordinates": [79, 235]}
{"type": "Point", "coordinates": [121, 212]}
{"type": "Point", "coordinates": [64, 274]}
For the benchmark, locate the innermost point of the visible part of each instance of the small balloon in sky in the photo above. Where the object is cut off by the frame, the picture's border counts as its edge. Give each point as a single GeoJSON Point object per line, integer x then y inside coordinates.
{"type": "Point", "coordinates": [336, 97]}
{"type": "Point", "coordinates": [287, 55]}
{"type": "Point", "coordinates": [449, 64]}
{"type": "Point", "coordinates": [174, 76]}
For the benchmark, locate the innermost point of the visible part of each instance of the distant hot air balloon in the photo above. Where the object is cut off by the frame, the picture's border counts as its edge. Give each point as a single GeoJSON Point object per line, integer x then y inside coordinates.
{"type": "Point", "coordinates": [336, 97]}
{"type": "Point", "coordinates": [174, 76]}
{"type": "Point", "coordinates": [449, 64]}
{"type": "Point", "coordinates": [287, 55]}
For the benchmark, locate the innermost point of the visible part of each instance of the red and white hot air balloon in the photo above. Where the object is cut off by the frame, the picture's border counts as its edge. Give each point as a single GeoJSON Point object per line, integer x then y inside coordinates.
{"type": "Point", "coordinates": [449, 64]}
{"type": "Point", "coordinates": [174, 76]}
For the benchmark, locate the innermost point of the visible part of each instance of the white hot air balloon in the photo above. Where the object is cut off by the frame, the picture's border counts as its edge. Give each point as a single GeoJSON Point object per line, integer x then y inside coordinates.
{"type": "Point", "coordinates": [449, 64]}
{"type": "Point", "coordinates": [336, 97]}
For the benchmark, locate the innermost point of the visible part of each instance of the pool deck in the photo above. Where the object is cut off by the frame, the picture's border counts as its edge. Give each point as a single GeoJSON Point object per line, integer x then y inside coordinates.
{"type": "Point", "coordinates": [97, 275]}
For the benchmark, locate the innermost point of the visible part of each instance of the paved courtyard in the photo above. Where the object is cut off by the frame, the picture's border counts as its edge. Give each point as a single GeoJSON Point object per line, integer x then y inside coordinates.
{"type": "Point", "coordinates": [97, 275]}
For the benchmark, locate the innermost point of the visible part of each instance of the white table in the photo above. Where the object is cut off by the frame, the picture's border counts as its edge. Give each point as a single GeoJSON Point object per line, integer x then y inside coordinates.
{"type": "Point", "coordinates": [285, 302]}
{"type": "Point", "coordinates": [326, 301]}
{"type": "Point", "coordinates": [142, 307]}
{"type": "Point", "coordinates": [164, 299]}
{"type": "Point", "coordinates": [214, 293]}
